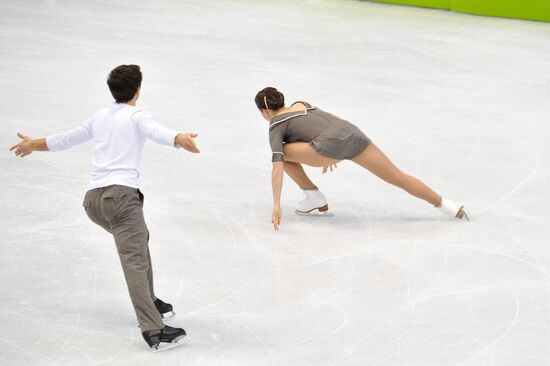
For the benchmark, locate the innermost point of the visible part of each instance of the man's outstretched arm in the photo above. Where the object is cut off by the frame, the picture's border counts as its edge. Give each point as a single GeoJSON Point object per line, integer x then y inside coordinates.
{"type": "Point", "coordinates": [56, 142]}
{"type": "Point", "coordinates": [187, 141]}
{"type": "Point", "coordinates": [28, 145]}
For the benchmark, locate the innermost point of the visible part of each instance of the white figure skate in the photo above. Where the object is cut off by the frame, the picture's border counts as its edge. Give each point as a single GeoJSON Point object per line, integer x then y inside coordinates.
{"type": "Point", "coordinates": [314, 203]}
{"type": "Point", "coordinates": [450, 208]}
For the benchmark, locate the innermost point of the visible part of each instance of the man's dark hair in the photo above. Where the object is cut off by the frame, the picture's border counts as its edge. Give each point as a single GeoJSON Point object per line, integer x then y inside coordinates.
{"type": "Point", "coordinates": [124, 82]}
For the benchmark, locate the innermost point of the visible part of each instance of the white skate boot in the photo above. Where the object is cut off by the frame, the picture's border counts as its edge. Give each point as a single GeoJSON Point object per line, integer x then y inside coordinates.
{"type": "Point", "coordinates": [315, 200]}
{"type": "Point", "coordinates": [450, 208]}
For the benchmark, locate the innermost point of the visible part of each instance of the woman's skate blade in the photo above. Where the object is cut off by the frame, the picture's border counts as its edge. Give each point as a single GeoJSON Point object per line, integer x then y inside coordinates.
{"type": "Point", "coordinates": [316, 212]}
{"type": "Point", "coordinates": [450, 208]}
{"type": "Point", "coordinates": [163, 346]}
{"type": "Point", "coordinates": [464, 214]}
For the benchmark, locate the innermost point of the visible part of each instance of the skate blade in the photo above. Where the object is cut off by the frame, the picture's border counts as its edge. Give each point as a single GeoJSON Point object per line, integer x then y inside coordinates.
{"type": "Point", "coordinates": [464, 214]}
{"type": "Point", "coordinates": [176, 342]}
{"type": "Point", "coordinates": [314, 213]}
{"type": "Point", "coordinates": [168, 316]}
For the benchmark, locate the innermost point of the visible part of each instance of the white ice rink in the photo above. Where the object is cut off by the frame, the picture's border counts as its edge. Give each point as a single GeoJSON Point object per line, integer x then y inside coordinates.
{"type": "Point", "coordinates": [460, 101]}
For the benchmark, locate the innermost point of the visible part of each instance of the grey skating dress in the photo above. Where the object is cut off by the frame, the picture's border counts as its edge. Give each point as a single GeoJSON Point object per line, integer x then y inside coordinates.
{"type": "Point", "coordinates": [329, 135]}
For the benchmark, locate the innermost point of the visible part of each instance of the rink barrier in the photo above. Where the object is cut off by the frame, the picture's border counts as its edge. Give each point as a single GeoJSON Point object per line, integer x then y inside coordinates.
{"type": "Point", "coordinates": [518, 9]}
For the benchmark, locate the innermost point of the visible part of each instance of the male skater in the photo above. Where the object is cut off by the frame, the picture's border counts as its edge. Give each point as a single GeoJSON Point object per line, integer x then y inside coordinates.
{"type": "Point", "coordinates": [113, 200]}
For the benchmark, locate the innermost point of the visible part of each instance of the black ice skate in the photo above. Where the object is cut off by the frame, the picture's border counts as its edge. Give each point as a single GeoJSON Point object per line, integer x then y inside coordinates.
{"type": "Point", "coordinates": [164, 339]}
{"type": "Point", "coordinates": [166, 310]}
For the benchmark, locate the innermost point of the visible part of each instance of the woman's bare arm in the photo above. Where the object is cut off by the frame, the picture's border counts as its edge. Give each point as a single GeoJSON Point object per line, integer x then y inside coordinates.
{"type": "Point", "coordinates": [277, 186]}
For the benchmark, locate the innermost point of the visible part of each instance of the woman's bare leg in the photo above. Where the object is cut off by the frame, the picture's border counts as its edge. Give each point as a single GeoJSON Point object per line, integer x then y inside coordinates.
{"type": "Point", "coordinates": [374, 160]}
{"type": "Point", "coordinates": [296, 154]}
{"type": "Point", "coordinates": [302, 152]}
{"type": "Point", "coordinates": [298, 175]}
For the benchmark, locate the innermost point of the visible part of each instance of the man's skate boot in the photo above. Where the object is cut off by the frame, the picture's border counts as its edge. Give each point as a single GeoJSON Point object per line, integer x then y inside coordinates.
{"type": "Point", "coordinates": [166, 310]}
{"type": "Point", "coordinates": [163, 339]}
{"type": "Point", "coordinates": [315, 200]}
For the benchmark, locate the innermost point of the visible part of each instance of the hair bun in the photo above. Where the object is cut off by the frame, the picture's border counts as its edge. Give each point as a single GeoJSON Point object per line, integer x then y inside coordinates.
{"type": "Point", "coordinates": [270, 98]}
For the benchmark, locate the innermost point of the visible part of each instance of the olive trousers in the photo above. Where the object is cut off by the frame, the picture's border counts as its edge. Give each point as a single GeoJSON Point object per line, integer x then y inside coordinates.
{"type": "Point", "coordinates": [119, 210]}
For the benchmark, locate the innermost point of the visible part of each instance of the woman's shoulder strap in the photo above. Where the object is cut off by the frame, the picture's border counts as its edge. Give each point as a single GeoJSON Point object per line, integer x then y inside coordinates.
{"type": "Point", "coordinates": [308, 106]}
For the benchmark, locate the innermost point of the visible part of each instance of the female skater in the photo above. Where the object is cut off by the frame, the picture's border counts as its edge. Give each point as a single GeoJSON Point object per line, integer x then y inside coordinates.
{"type": "Point", "coordinates": [303, 134]}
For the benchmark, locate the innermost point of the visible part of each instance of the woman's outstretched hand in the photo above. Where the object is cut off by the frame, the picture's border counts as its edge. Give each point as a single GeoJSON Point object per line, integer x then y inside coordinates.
{"type": "Point", "coordinates": [327, 167]}
{"type": "Point", "coordinates": [186, 140]}
{"type": "Point", "coordinates": [276, 216]}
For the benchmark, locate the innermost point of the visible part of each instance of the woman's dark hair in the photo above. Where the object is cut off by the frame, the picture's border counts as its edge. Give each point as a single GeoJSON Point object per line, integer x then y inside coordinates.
{"type": "Point", "coordinates": [270, 98]}
{"type": "Point", "coordinates": [124, 82]}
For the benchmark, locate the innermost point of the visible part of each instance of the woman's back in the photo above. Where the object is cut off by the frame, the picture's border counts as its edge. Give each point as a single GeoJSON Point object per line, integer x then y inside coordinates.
{"type": "Point", "coordinates": [328, 134]}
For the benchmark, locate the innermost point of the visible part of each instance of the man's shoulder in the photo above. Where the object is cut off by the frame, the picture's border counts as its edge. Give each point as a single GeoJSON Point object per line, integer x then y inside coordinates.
{"type": "Point", "coordinates": [134, 112]}
{"type": "Point", "coordinates": [103, 111]}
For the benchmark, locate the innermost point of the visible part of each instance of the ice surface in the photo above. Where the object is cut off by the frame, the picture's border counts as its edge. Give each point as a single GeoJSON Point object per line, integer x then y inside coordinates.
{"type": "Point", "coordinates": [460, 101]}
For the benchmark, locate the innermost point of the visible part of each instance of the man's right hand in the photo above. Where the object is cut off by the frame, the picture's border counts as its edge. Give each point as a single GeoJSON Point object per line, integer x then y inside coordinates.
{"type": "Point", "coordinates": [186, 140]}
{"type": "Point", "coordinates": [25, 147]}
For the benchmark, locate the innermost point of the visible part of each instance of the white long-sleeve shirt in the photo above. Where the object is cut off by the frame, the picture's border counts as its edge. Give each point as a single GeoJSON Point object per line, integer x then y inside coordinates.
{"type": "Point", "coordinates": [118, 132]}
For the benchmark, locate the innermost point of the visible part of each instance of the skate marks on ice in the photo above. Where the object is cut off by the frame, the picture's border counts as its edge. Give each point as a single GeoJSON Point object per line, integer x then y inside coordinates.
{"type": "Point", "coordinates": [386, 281]}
